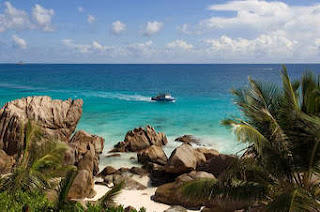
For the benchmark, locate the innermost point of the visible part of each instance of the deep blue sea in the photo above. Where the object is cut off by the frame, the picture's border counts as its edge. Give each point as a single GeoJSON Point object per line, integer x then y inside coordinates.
{"type": "Point", "coordinates": [117, 97]}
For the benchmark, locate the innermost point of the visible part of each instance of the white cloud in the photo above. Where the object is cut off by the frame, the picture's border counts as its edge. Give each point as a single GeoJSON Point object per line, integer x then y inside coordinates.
{"type": "Point", "coordinates": [12, 18]}
{"type": "Point", "coordinates": [43, 17]}
{"type": "Point", "coordinates": [257, 27]}
{"type": "Point", "coordinates": [21, 43]}
{"type": "Point", "coordinates": [179, 44]}
{"type": "Point", "coordinates": [15, 19]}
{"type": "Point", "coordinates": [94, 47]}
{"type": "Point", "coordinates": [91, 19]}
{"type": "Point", "coordinates": [138, 49]}
{"type": "Point", "coordinates": [152, 28]}
{"type": "Point", "coordinates": [274, 45]}
{"type": "Point", "coordinates": [80, 9]}
{"type": "Point", "coordinates": [118, 27]}
{"type": "Point", "coordinates": [258, 16]}
{"type": "Point", "coordinates": [98, 46]}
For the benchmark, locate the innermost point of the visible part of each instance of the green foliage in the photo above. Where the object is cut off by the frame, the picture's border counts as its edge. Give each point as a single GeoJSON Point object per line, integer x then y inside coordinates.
{"type": "Point", "coordinates": [41, 161]}
{"type": "Point", "coordinates": [107, 199]}
{"type": "Point", "coordinates": [34, 201]}
{"type": "Point", "coordinates": [281, 126]}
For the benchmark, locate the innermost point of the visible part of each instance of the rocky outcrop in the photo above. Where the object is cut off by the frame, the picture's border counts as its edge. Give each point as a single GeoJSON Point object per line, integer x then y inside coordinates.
{"type": "Point", "coordinates": [208, 153]}
{"type": "Point", "coordinates": [82, 185]}
{"type": "Point", "coordinates": [153, 154]}
{"type": "Point", "coordinates": [86, 149]}
{"type": "Point", "coordinates": [217, 164]}
{"type": "Point", "coordinates": [114, 176]}
{"type": "Point", "coordinates": [188, 139]}
{"type": "Point", "coordinates": [184, 159]}
{"type": "Point", "coordinates": [158, 174]}
{"type": "Point", "coordinates": [171, 193]}
{"type": "Point", "coordinates": [83, 142]}
{"type": "Point", "coordinates": [6, 162]}
{"type": "Point", "coordinates": [56, 118]}
{"type": "Point", "coordinates": [139, 139]}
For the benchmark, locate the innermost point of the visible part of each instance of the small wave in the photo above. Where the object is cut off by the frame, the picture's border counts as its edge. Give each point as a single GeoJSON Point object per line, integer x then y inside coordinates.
{"type": "Point", "coordinates": [20, 87]}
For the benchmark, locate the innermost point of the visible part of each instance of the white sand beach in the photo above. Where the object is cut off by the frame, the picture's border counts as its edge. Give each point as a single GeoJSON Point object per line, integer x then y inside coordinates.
{"type": "Point", "coordinates": [135, 198]}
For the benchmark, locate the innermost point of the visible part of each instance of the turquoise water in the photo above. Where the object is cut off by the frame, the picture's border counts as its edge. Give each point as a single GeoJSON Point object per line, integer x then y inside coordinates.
{"type": "Point", "coordinates": [117, 97]}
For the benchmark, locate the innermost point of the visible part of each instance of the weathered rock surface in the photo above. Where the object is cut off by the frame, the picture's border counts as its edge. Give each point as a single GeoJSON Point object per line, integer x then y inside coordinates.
{"type": "Point", "coordinates": [158, 174]}
{"type": "Point", "coordinates": [57, 119]}
{"type": "Point", "coordinates": [82, 185]}
{"type": "Point", "coordinates": [86, 149]}
{"type": "Point", "coordinates": [208, 153]}
{"type": "Point", "coordinates": [171, 194]}
{"type": "Point", "coordinates": [153, 154]}
{"type": "Point", "coordinates": [184, 159]}
{"type": "Point", "coordinates": [139, 139]}
{"type": "Point", "coordinates": [217, 164]}
{"type": "Point", "coordinates": [83, 142]}
{"type": "Point", "coordinates": [176, 208]}
{"type": "Point", "coordinates": [108, 170]}
{"type": "Point", "coordinates": [129, 182]}
{"type": "Point", "coordinates": [6, 162]}
{"type": "Point", "coordinates": [188, 139]}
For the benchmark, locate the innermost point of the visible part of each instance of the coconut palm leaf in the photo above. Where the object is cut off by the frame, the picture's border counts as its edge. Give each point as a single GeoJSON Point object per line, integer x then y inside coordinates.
{"type": "Point", "coordinates": [289, 91]}
{"type": "Point", "coordinates": [108, 199]}
{"type": "Point", "coordinates": [247, 133]}
{"type": "Point", "coordinates": [294, 200]}
{"type": "Point", "coordinates": [64, 187]}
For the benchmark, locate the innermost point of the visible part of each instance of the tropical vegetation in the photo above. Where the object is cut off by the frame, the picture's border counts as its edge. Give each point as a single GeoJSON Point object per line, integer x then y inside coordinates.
{"type": "Point", "coordinates": [38, 171]}
{"type": "Point", "coordinates": [280, 169]}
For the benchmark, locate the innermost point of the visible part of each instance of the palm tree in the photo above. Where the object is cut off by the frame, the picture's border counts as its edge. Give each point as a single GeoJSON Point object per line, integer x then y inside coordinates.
{"type": "Point", "coordinates": [281, 126]}
{"type": "Point", "coordinates": [40, 162]}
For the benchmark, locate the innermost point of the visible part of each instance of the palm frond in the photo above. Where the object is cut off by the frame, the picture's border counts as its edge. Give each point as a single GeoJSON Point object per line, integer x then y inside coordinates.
{"type": "Point", "coordinates": [108, 199]}
{"type": "Point", "coordinates": [289, 92]}
{"type": "Point", "coordinates": [295, 200]}
{"type": "Point", "coordinates": [247, 133]}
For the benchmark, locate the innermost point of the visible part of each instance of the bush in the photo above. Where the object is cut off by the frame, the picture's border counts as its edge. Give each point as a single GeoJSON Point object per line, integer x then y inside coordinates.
{"type": "Point", "coordinates": [20, 201]}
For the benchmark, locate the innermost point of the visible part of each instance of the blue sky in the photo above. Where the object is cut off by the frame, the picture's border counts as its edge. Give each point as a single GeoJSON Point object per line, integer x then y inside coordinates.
{"type": "Point", "coordinates": [166, 31]}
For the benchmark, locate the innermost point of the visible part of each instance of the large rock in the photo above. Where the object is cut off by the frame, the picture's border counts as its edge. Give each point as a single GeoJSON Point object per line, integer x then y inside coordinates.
{"type": "Point", "coordinates": [108, 170]}
{"type": "Point", "coordinates": [188, 139]}
{"type": "Point", "coordinates": [82, 185]}
{"type": "Point", "coordinates": [208, 153]}
{"type": "Point", "coordinates": [139, 139]}
{"type": "Point", "coordinates": [83, 142]}
{"type": "Point", "coordinates": [57, 119]}
{"type": "Point", "coordinates": [6, 162]}
{"type": "Point", "coordinates": [86, 149]}
{"type": "Point", "coordinates": [153, 154]}
{"type": "Point", "coordinates": [216, 165]}
{"type": "Point", "coordinates": [184, 159]}
{"type": "Point", "coordinates": [171, 193]}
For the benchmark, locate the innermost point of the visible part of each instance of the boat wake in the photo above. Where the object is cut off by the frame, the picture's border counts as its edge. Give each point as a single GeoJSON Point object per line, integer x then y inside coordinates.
{"type": "Point", "coordinates": [120, 96]}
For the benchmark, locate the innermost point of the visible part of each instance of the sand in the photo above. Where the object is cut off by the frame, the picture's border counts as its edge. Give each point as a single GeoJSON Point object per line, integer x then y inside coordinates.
{"type": "Point", "coordinates": [134, 198]}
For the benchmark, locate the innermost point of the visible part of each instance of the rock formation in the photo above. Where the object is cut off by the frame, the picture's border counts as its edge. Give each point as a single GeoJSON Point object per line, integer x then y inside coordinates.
{"type": "Point", "coordinates": [216, 165]}
{"type": "Point", "coordinates": [188, 139]}
{"type": "Point", "coordinates": [139, 139]}
{"type": "Point", "coordinates": [171, 194]}
{"type": "Point", "coordinates": [6, 162]}
{"type": "Point", "coordinates": [153, 154]}
{"type": "Point", "coordinates": [57, 119]}
{"type": "Point", "coordinates": [184, 159]}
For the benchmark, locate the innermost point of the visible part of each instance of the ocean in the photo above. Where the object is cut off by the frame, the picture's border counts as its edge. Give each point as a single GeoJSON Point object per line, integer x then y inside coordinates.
{"type": "Point", "coordinates": [117, 97]}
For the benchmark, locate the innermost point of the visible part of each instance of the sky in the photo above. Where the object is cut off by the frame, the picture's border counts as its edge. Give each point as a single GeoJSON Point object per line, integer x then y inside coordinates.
{"type": "Point", "coordinates": [154, 31]}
